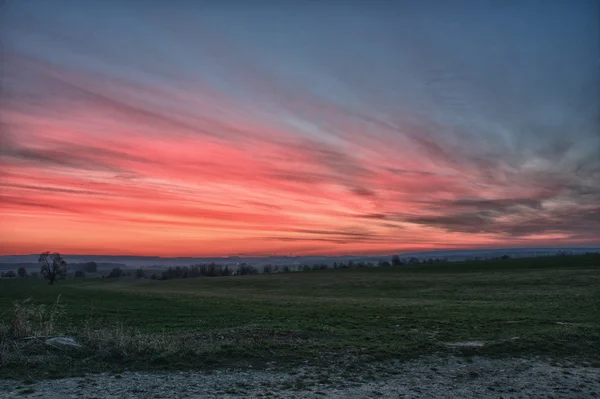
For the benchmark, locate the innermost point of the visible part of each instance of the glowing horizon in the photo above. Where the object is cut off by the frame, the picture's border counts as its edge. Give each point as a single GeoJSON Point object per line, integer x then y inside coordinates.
{"type": "Point", "coordinates": [184, 130]}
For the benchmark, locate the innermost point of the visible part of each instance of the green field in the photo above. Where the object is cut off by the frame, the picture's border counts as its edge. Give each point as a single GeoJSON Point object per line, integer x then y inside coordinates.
{"type": "Point", "coordinates": [518, 307]}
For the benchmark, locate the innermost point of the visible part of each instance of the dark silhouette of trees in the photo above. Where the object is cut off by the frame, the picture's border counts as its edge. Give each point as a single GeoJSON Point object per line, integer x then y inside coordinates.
{"type": "Point", "coordinates": [201, 270]}
{"type": "Point", "coordinates": [87, 267]}
{"type": "Point", "coordinates": [79, 274]}
{"type": "Point", "coordinates": [22, 272]}
{"type": "Point", "coordinates": [139, 273]}
{"type": "Point", "coordinates": [9, 274]}
{"type": "Point", "coordinates": [245, 269]}
{"type": "Point", "coordinates": [90, 267]}
{"type": "Point", "coordinates": [115, 273]}
{"type": "Point", "coordinates": [396, 261]}
{"type": "Point", "coordinates": [54, 267]}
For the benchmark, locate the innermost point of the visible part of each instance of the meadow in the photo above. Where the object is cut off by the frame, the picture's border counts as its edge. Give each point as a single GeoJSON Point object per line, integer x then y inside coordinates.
{"type": "Point", "coordinates": [538, 307]}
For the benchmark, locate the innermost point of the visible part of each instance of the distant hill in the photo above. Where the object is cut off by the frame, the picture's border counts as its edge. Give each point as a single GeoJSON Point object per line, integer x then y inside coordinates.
{"type": "Point", "coordinates": [108, 261]}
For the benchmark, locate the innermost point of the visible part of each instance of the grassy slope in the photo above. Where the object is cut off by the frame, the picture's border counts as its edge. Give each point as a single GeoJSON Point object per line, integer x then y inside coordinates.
{"type": "Point", "coordinates": [551, 304]}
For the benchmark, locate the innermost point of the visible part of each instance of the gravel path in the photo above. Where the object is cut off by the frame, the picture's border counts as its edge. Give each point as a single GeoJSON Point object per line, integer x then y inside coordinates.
{"type": "Point", "coordinates": [424, 378]}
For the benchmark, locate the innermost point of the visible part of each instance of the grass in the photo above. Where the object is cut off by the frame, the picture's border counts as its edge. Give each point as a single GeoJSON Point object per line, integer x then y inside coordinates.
{"type": "Point", "coordinates": [518, 307]}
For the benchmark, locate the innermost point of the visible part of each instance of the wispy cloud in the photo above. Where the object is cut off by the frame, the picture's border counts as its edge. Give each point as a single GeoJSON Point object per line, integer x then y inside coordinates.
{"type": "Point", "coordinates": [204, 132]}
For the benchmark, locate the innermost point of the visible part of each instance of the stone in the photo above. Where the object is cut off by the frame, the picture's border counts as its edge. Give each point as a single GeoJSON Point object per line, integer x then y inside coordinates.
{"type": "Point", "coordinates": [63, 343]}
{"type": "Point", "coordinates": [467, 344]}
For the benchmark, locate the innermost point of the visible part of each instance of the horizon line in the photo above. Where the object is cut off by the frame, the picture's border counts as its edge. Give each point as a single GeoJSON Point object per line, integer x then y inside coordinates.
{"type": "Point", "coordinates": [318, 255]}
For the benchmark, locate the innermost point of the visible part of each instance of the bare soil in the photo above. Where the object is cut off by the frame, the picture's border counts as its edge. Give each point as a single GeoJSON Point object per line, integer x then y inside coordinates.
{"type": "Point", "coordinates": [431, 377]}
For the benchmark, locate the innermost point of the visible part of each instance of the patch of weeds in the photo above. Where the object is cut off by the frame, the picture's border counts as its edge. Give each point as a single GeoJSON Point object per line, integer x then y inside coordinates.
{"type": "Point", "coordinates": [33, 321]}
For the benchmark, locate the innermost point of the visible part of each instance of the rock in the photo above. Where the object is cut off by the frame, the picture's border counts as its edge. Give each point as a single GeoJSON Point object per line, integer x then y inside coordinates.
{"type": "Point", "coordinates": [468, 344]}
{"type": "Point", "coordinates": [63, 343]}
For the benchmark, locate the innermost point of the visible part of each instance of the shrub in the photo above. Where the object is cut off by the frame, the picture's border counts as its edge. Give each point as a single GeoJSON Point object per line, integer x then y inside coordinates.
{"type": "Point", "coordinates": [22, 272]}
{"type": "Point", "coordinates": [79, 274]}
{"type": "Point", "coordinates": [139, 273]}
{"type": "Point", "coordinates": [9, 274]}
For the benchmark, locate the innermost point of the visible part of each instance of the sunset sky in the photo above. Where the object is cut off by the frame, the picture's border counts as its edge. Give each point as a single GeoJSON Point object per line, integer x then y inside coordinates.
{"type": "Point", "coordinates": [192, 128]}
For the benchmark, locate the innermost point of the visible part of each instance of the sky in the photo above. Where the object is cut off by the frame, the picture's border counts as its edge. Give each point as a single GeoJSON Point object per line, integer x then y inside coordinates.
{"type": "Point", "coordinates": [214, 128]}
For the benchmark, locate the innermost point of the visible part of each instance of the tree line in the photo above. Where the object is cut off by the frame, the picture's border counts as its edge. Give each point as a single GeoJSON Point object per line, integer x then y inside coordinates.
{"type": "Point", "coordinates": [54, 268]}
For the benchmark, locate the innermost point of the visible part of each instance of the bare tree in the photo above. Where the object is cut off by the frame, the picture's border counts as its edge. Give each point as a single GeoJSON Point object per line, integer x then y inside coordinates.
{"type": "Point", "coordinates": [53, 266]}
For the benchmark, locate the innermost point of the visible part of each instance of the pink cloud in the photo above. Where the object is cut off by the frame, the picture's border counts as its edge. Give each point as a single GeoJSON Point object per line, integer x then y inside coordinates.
{"type": "Point", "coordinates": [113, 166]}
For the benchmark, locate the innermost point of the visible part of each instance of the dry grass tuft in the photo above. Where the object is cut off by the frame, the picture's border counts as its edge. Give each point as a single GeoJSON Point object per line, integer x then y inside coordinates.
{"type": "Point", "coordinates": [34, 321]}
{"type": "Point", "coordinates": [21, 340]}
{"type": "Point", "coordinates": [122, 341]}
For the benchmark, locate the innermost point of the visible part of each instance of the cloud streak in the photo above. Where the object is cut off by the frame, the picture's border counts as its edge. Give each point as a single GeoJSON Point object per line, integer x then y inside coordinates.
{"type": "Point", "coordinates": [346, 131]}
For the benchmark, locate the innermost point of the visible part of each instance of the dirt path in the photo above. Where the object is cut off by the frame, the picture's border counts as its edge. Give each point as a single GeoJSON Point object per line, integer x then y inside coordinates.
{"type": "Point", "coordinates": [425, 378]}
